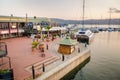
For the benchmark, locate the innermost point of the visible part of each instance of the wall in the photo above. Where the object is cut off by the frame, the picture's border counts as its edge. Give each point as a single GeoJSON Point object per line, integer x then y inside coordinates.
{"type": "Point", "coordinates": [63, 69]}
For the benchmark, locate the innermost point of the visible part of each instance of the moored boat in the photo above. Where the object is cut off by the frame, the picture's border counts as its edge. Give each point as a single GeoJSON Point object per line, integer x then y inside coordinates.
{"type": "Point", "coordinates": [84, 36]}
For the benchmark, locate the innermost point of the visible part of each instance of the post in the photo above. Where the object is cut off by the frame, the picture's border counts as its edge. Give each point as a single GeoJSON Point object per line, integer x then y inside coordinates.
{"type": "Point", "coordinates": [33, 72]}
{"type": "Point", "coordinates": [43, 67]}
{"type": "Point", "coordinates": [43, 54]}
{"type": "Point", "coordinates": [63, 57]}
{"type": "Point", "coordinates": [9, 61]}
{"type": "Point", "coordinates": [78, 50]}
{"type": "Point", "coordinates": [47, 46]}
{"type": "Point", "coordinates": [85, 44]}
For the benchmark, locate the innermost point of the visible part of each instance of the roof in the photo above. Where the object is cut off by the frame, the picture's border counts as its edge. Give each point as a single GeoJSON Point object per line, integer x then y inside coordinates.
{"type": "Point", "coordinates": [22, 19]}
{"type": "Point", "coordinates": [68, 41]}
{"type": "Point", "coordinates": [11, 19]}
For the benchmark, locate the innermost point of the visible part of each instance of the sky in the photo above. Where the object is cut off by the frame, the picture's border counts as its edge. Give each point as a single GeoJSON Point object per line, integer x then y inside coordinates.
{"type": "Point", "coordinates": [63, 9]}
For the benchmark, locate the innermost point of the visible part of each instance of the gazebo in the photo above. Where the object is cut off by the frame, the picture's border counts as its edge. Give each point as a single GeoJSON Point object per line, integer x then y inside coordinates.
{"type": "Point", "coordinates": [67, 46]}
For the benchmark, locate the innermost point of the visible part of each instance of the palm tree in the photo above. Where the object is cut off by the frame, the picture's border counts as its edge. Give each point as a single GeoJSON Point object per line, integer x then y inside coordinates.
{"type": "Point", "coordinates": [48, 28]}
{"type": "Point", "coordinates": [40, 31]}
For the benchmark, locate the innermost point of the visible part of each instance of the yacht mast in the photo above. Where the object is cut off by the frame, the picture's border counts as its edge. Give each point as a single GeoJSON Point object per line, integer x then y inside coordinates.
{"type": "Point", "coordinates": [110, 11]}
{"type": "Point", "coordinates": [83, 13]}
{"type": "Point", "coordinates": [26, 20]}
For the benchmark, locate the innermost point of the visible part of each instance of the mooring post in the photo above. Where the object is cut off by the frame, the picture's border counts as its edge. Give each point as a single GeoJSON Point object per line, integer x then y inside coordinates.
{"type": "Point", "coordinates": [85, 44]}
{"type": "Point", "coordinates": [33, 72]}
{"type": "Point", "coordinates": [78, 50]}
{"type": "Point", "coordinates": [63, 57]}
{"type": "Point", "coordinates": [43, 67]}
{"type": "Point", "coordinates": [47, 46]}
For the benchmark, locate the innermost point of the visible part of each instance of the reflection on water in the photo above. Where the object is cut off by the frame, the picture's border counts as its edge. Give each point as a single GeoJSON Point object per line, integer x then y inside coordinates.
{"type": "Point", "coordinates": [71, 74]}
{"type": "Point", "coordinates": [105, 59]}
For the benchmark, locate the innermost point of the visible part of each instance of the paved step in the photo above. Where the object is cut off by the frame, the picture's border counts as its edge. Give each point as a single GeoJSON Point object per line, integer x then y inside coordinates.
{"type": "Point", "coordinates": [39, 65]}
{"type": "Point", "coordinates": [47, 63]}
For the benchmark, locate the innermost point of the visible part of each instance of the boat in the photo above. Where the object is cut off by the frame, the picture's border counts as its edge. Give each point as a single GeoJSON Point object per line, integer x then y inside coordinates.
{"type": "Point", "coordinates": [84, 36]}
{"type": "Point", "coordinates": [110, 29]}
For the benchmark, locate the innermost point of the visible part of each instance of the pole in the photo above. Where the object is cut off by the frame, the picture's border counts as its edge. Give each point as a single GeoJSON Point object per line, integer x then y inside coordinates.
{"type": "Point", "coordinates": [43, 67]}
{"type": "Point", "coordinates": [85, 44]}
{"type": "Point", "coordinates": [83, 12]}
{"type": "Point", "coordinates": [63, 57]}
{"type": "Point", "coordinates": [33, 72]}
{"type": "Point", "coordinates": [78, 50]}
{"type": "Point", "coordinates": [109, 23]}
{"type": "Point", "coordinates": [47, 46]}
{"type": "Point", "coordinates": [26, 19]}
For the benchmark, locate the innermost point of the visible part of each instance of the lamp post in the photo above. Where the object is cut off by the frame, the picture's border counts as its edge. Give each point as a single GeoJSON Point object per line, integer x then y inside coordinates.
{"type": "Point", "coordinates": [10, 24]}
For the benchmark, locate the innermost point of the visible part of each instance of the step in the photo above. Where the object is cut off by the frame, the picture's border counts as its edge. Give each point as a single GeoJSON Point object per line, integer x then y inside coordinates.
{"type": "Point", "coordinates": [39, 64]}
{"type": "Point", "coordinates": [47, 63]}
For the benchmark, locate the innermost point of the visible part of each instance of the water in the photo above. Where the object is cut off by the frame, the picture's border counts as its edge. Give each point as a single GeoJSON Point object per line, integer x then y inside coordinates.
{"type": "Point", "coordinates": [104, 62]}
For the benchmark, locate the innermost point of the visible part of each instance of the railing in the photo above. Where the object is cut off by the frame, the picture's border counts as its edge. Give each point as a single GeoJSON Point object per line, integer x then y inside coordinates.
{"type": "Point", "coordinates": [3, 49]}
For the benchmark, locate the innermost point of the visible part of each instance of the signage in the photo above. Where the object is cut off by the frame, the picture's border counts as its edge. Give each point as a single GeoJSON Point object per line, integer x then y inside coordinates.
{"type": "Point", "coordinates": [4, 31]}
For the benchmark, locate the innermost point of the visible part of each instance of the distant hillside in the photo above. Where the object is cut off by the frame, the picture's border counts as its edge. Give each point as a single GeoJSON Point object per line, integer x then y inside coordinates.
{"type": "Point", "coordinates": [91, 21]}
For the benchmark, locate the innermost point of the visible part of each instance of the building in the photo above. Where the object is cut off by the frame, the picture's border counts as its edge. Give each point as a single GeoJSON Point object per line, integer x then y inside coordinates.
{"type": "Point", "coordinates": [67, 46]}
{"type": "Point", "coordinates": [11, 26]}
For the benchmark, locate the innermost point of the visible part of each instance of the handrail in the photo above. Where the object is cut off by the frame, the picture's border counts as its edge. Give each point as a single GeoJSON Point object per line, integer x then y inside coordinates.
{"type": "Point", "coordinates": [3, 49]}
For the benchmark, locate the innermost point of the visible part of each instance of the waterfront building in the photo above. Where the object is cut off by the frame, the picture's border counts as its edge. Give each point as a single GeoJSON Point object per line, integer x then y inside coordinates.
{"type": "Point", "coordinates": [67, 46]}
{"type": "Point", "coordinates": [11, 26]}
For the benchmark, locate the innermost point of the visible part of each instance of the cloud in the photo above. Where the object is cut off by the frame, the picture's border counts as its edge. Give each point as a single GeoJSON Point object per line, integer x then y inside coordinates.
{"type": "Point", "coordinates": [114, 10]}
{"type": "Point", "coordinates": [117, 11]}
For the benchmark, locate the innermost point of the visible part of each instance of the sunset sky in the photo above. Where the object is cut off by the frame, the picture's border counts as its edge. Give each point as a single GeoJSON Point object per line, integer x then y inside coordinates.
{"type": "Point", "coordinates": [64, 9]}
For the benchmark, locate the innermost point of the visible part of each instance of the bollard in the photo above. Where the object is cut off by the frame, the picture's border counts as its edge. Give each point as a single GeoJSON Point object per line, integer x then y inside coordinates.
{"type": "Point", "coordinates": [85, 44]}
{"type": "Point", "coordinates": [78, 50]}
{"type": "Point", "coordinates": [47, 46]}
{"type": "Point", "coordinates": [63, 57]}
{"type": "Point", "coordinates": [43, 54]}
{"type": "Point", "coordinates": [33, 72]}
{"type": "Point", "coordinates": [43, 67]}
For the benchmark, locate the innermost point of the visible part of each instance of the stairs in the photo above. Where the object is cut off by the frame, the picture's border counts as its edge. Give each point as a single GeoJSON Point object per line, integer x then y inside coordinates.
{"type": "Point", "coordinates": [39, 65]}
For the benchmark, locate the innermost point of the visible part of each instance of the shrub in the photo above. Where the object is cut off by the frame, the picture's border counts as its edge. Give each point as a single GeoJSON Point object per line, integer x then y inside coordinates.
{"type": "Point", "coordinates": [35, 44]}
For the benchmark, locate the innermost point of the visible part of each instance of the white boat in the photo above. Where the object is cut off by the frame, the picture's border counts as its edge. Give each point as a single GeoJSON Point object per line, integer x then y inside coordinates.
{"type": "Point", "coordinates": [110, 29]}
{"type": "Point", "coordinates": [84, 36]}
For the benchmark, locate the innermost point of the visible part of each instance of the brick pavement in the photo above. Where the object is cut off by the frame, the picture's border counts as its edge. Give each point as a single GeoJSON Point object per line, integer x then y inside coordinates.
{"type": "Point", "coordinates": [19, 49]}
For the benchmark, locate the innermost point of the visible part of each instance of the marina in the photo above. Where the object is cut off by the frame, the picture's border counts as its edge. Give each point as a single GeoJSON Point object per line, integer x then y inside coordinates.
{"type": "Point", "coordinates": [59, 40]}
{"type": "Point", "coordinates": [104, 60]}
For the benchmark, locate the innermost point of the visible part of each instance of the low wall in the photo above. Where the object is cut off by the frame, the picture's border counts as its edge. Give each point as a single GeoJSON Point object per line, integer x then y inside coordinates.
{"type": "Point", "coordinates": [66, 67]}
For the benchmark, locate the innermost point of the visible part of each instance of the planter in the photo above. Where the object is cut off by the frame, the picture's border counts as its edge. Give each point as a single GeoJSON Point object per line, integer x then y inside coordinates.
{"type": "Point", "coordinates": [7, 75]}
{"type": "Point", "coordinates": [41, 47]}
{"type": "Point", "coordinates": [47, 39]}
{"type": "Point", "coordinates": [33, 49]}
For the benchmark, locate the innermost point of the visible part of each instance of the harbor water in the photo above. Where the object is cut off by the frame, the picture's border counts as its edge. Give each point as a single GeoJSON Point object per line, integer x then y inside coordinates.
{"type": "Point", "coordinates": [104, 63]}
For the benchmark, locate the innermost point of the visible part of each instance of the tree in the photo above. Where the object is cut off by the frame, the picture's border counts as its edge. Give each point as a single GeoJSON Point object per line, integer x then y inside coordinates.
{"type": "Point", "coordinates": [48, 28]}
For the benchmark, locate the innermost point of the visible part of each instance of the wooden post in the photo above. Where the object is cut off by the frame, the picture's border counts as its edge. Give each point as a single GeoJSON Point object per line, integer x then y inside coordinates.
{"type": "Point", "coordinates": [63, 57]}
{"type": "Point", "coordinates": [78, 50]}
{"type": "Point", "coordinates": [43, 67]}
{"type": "Point", "coordinates": [47, 46]}
{"type": "Point", "coordinates": [85, 44]}
{"type": "Point", "coordinates": [33, 72]}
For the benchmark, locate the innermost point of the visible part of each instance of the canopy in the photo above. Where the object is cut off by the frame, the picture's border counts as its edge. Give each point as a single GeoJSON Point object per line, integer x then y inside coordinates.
{"type": "Point", "coordinates": [68, 41]}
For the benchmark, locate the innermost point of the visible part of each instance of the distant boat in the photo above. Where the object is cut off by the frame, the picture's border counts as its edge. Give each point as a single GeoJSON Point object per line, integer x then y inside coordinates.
{"type": "Point", "coordinates": [94, 30]}
{"type": "Point", "coordinates": [110, 29]}
{"type": "Point", "coordinates": [84, 36]}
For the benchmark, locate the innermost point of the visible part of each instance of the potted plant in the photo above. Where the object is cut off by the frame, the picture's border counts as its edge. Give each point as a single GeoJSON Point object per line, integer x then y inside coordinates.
{"type": "Point", "coordinates": [47, 39]}
{"type": "Point", "coordinates": [6, 74]}
{"type": "Point", "coordinates": [34, 45]}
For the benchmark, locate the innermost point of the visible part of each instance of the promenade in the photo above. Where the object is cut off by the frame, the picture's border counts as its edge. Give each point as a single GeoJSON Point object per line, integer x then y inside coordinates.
{"type": "Point", "coordinates": [22, 57]}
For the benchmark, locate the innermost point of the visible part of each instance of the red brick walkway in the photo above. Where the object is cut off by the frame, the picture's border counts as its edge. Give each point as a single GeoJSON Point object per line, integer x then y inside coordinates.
{"type": "Point", "coordinates": [19, 49]}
